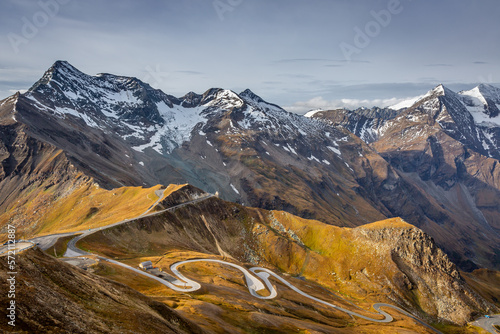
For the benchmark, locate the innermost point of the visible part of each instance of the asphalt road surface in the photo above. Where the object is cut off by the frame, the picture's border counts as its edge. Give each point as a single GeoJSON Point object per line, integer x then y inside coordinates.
{"type": "Point", "coordinates": [72, 250]}
{"type": "Point", "coordinates": [255, 285]}
{"type": "Point", "coordinates": [257, 278]}
{"type": "Point", "coordinates": [19, 246]}
{"type": "Point", "coordinates": [487, 323]}
{"type": "Point", "coordinates": [48, 241]}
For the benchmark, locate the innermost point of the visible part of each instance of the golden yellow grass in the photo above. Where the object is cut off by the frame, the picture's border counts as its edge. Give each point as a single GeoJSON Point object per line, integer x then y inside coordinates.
{"type": "Point", "coordinates": [91, 207]}
{"type": "Point", "coordinates": [334, 257]}
{"type": "Point", "coordinates": [136, 281]}
{"type": "Point", "coordinates": [235, 302]}
{"type": "Point", "coordinates": [328, 249]}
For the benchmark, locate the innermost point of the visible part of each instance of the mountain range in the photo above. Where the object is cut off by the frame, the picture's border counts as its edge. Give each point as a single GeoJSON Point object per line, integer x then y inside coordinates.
{"type": "Point", "coordinates": [432, 161]}
{"type": "Point", "coordinates": [435, 164]}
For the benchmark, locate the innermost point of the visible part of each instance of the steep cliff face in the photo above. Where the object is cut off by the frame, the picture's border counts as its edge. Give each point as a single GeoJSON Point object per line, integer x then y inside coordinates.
{"type": "Point", "coordinates": [424, 272]}
{"type": "Point", "coordinates": [390, 256]}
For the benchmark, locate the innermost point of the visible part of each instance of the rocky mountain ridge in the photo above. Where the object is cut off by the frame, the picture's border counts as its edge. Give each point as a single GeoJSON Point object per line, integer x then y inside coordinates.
{"type": "Point", "coordinates": [121, 132]}
{"type": "Point", "coordinates": [446, 145]}
{"type": "Point", "coordinates": [470, 117]}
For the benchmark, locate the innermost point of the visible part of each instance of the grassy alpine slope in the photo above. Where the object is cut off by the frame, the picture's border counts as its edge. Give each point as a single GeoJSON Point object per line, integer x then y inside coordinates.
{"type": "Point", "coordinates": [87, 206]}
{"type": "Point", "coordinates": [388, 261]}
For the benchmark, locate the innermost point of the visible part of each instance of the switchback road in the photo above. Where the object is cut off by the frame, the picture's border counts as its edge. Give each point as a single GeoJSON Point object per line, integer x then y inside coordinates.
{"type": "Point", "coordinates": [17, 247]}
{"type": "Point", "coordinates": [257, 278]}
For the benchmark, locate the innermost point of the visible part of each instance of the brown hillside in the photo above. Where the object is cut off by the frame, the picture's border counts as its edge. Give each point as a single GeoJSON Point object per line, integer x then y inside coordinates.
{"type": "Point", "coordinates": [54, 297]}
{"type": "Point", "coordinates": [388, 261]}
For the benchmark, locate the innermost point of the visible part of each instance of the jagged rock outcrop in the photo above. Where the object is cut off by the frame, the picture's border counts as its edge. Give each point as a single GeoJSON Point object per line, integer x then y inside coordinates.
{"type": "Point", "coordinates": [443, 151]}
{"type": "Point", "coordinates": [424, 272]}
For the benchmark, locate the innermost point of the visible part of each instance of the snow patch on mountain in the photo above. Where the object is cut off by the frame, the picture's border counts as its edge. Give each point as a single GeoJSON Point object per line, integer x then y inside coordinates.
{"type": "Point", "coordinates": [234, 189]}
{"type": "Point", "coordinates": [312, 112]}
{"type": "Point", "coordinates": [483, 119]}
{"type": "Point", "coordinates": [334, 150]}
{"type": "Point", "coordinates": [408, 102]}
{"type": "Point", "coordinates": [178, 127]}
{"type": "Point", "coordinates": [312, 157]}
{"type": "Point", "coordinates": [480, 99]}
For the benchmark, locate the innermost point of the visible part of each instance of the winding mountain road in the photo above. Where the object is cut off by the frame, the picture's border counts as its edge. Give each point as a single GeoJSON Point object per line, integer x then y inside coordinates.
{"type": "Point", "coordinates": [254, 284]}
{"type": "Point", "coordinates": [15, 248]}
{"type": "Point", "coordinates": [257, 278]}
{"type": "Point", "coordinates": [72, 250]}
{"type": "Point", "coordinates": [47, 241]}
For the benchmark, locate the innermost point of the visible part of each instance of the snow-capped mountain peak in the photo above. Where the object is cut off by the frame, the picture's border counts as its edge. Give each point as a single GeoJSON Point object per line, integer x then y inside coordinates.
{"type": "Point", "coordinates": [439, 90]}
{"type": "Point", "coordinates": [248, 95]}
{"type": "Point", "coordinates": [148, 118]}
{"type": "Point", "coordinates": [59, 71]}
{"type": "Point", "coordinates": [257, 102]}
{"type": "Point", "coordinates": [483, 102]}
{"type": "Point", "coordinates": [225, 98]}
{"type": "Point", "coordinates": [486, 94]}
{"type": "Point", "coordinates": [490, 92]}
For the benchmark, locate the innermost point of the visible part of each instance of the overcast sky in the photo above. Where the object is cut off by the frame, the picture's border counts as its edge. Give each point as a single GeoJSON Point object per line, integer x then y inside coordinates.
{"type": "Point", "coordinates": [298, 54]}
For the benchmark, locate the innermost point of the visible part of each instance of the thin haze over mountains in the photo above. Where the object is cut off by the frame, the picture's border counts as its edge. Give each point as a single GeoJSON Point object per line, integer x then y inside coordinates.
{"type": "Point", "coordinates": [302, 55]}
